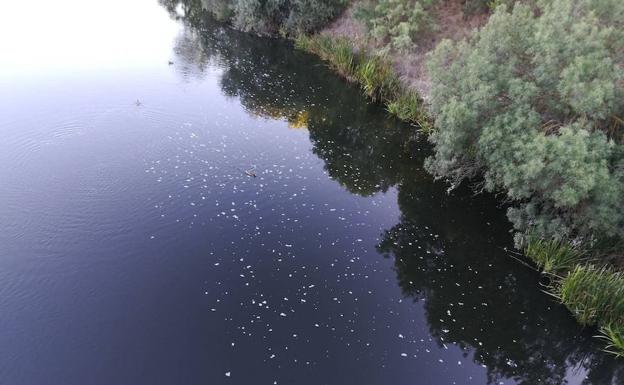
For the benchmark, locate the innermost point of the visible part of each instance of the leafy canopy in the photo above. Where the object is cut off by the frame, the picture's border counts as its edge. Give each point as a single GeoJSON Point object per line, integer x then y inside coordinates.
{"type": "Point", "coordinates": [396, 24]}
{"type": "Point", "coordinates": [534, 102]}
{"type": "Point", "coordinates": [270, 17]}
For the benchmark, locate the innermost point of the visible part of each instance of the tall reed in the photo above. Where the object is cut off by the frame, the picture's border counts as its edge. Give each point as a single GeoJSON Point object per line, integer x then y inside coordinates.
{"type": "Point", "coordinates": [594, 294]}
{"type": "Point", "coordinates": [551, 255]}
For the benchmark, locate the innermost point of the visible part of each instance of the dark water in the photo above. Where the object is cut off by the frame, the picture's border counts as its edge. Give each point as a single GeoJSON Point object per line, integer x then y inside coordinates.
{"type": "Point", "coordinates": [241, 216]}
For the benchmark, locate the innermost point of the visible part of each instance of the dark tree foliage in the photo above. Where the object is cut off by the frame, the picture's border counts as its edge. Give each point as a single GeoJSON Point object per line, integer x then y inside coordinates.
{"type": "Point", "coordinates": [271, 17]}
{"type": "Point", "coordinates": [476, 297]}
{"type": "Point", "coordinates": [534, 102]}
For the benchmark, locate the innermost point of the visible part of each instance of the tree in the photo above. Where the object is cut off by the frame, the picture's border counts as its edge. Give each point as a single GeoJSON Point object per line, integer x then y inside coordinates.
{"type": "Point", "coordinates": [271, 17]}
{"type": "Point", "coordinates": [533, 103]}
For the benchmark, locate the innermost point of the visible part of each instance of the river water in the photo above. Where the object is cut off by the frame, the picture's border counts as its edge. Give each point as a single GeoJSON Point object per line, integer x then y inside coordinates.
{"type": "Point", "coordinates": [184, 204]}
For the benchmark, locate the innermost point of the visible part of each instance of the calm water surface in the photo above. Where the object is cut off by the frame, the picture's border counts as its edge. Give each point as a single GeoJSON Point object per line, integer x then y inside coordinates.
{"type": "Point", "coordinates": [240, 216]}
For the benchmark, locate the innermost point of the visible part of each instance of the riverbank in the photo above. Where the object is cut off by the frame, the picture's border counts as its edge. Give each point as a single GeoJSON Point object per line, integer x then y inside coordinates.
{"type": "Point", "coordinates": [401, 78]}
{"type": "Point", "coordinates": [580, 276]}
{"type": "Point", "coordinates": [516, 107]}
{"type": "Point", "coordinates": [451, 23]}
{"type": "Point", "coordinates": [375, 74]}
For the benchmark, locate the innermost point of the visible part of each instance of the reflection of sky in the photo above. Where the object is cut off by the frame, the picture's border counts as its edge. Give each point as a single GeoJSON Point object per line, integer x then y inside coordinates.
{"type": "Point", "coordinates": [47, 37]}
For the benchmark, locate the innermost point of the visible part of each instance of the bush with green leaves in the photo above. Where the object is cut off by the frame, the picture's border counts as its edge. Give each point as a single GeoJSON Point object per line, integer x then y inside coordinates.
{"type": "Point", "coordinates": [272, 17]}
{"type": "Point", "coordinates": [396, 24]}
{"type": "Point", "coordinates": [473, 7]}
{"type": "Point", "coordinates": [534, 103]}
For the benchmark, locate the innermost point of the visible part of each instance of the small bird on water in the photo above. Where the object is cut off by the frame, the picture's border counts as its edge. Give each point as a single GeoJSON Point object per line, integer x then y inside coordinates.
{"type": "Point", "coordinates": [138, 102]}
{"type": "Point", "coordinates": [251, 172]}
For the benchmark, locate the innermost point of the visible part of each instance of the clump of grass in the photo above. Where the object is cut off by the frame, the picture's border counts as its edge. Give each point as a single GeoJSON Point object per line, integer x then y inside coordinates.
{"type": "Point", "coordinates": [344, 58]}
{"type": "Point", "coordinates": [340, 53]}
{"type": "Point", "coordinates": [594, 294]}
{"type": "Point", "coordinates": [552, 256]}
{"type": "Point", "coordinates": [374, 73]}
{"type": "Point", "coordinates": [305, 42]}
{"type": "Point", "coordinates": [614, 336]}
{"type": "Point", "coordinates": [409, 106]}
{"type": "Point", "coordinates": [378, 79]}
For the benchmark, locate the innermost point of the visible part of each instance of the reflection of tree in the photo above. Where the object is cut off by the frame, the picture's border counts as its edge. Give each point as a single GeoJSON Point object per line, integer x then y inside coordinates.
{"type": "Point", "coordinates": [475, 297]}
{"type": "Point", "coordinates": [445, 247]}
{"type": "Point", "coordinates": [190, 11]}
{"type": "Point", "coordinates": [365, 155]}
{"type": "Point", "coordinates": [363, 149]}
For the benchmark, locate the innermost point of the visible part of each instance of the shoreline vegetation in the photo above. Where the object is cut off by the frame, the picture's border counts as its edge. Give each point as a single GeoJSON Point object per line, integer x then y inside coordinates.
{"type": "Point", "coordinates": [523, 98]}
{"type": "Point", "coordinates": [374, 74]}
{"type": "Point", "coordinates": [593, 293]}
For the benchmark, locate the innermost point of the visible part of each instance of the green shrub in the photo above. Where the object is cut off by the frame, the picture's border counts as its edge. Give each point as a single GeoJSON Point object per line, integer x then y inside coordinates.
{"type": "Point", "coordinates": [396, 23]}
{"type": "Point", "coordinates": [529, 103]}
{"type": "Point", "coordinates": [472, 7]}
{"type": "Point", "coordinates": [271, 17]}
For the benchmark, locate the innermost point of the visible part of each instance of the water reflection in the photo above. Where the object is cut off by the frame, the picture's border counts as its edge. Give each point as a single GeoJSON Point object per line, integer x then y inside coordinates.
{"type": "Point", "coordinates": [476, 298]}
{"type": "Point", "coordinates": [448, 250]}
